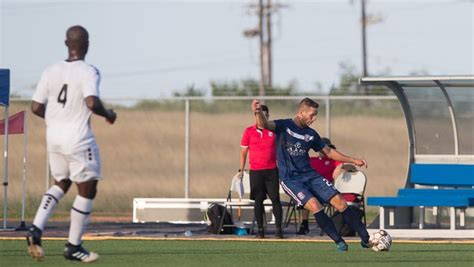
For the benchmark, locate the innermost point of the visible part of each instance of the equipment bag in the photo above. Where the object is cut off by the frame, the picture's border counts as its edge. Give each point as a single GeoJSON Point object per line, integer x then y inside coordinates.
{"type": "Point", "coordinates": [214, 215]}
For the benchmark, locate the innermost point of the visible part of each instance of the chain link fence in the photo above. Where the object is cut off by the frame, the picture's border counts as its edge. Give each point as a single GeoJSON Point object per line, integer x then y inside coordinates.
{"type": "Point", "coordinates": [189, 147]}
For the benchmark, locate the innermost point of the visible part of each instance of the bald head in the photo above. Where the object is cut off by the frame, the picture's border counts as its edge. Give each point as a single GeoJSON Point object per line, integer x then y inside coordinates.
{"type": "Point", "coordinates": [77, 40]}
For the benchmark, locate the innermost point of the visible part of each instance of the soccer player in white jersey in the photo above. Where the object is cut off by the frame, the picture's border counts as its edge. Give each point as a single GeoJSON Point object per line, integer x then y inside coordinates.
{"type": "Point", "coordinates": [66, 96]}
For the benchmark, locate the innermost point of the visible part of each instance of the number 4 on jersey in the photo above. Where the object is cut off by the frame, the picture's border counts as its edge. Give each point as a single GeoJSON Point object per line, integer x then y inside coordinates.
{"type": "Point", "coordinates": [62, 97]}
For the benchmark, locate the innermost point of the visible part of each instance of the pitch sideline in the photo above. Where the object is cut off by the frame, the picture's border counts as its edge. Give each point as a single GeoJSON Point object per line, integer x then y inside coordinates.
{"type": "Point", "coordinates": [102, 238]}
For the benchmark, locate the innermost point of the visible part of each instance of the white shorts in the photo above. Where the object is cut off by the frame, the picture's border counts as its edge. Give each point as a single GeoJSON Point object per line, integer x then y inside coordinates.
{"type": "Point", "coordinates": [78, 167]}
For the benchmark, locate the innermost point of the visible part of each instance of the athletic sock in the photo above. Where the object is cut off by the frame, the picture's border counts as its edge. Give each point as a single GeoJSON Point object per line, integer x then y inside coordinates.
{"type": "Point", "coordinates": [305, 224]}
{"type": "Point", "coordinates": [48, 203]}
{"type": "Point", "coordinates": [80, 213]}
{"type": "Point", "coordinates": [328, 226]}
{"type": "Point", "coordinates": [353, 220]}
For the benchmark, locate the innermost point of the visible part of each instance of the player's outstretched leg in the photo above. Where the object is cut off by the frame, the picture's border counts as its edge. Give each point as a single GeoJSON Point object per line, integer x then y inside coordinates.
{"type": "Point", "coordinates": [328, 227]}
{"type": "Point", "coordinates": [353, 220]}
{"type": "Point", "coordinates": [78, 253]}
{"type": "Point", "coordinates": [48, 203]}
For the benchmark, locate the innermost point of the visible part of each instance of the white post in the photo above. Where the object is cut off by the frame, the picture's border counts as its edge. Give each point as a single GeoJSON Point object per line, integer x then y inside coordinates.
{"type": "Point", "coordinates": [135, 207]}
{"type": "Point", "coordinates": [462, 217]}
{"type": "Point", "coordinates": [391, 216]}
{"type": "Point", "coordinates": [382, 218]}
{"type": "Point", "coordinates": [328, 117]}
{"type": "Point", "coordinates": [23, 198]}
{"type": "Point", "coordinates": [421, 224]}
{"type": "Point", "coordinates": [186, 150]}
{"type": "Point", "coordinates": [452, 220]}
{"type": "Point", "coordinates": [5, 171]}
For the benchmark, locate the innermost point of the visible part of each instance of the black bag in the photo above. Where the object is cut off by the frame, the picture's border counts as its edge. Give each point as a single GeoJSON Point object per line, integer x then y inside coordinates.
{"type": "Point", "coordinates": [214, 214]}
{"type": "Point", "coordinates": [342, 228]}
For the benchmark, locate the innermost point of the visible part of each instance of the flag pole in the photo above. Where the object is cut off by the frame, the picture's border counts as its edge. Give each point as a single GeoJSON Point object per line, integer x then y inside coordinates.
{"type": "Point", "coordinates": [22, 226]}
{"type": "Point", "coordinates": [5, 171]}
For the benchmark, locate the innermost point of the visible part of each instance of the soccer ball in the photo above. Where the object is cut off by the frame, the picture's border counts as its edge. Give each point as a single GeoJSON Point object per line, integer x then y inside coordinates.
{"type": "Point", "coordinates": [381, 241]}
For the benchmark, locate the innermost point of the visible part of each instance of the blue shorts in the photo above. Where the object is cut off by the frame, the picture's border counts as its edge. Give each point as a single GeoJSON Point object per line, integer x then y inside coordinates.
{"type": "Point", "coordinates": [302, 188]}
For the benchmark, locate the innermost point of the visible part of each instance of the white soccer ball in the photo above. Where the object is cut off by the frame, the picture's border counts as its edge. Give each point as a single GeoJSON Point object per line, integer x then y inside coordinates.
{"type": "Point", "coordinates": [381, 241]}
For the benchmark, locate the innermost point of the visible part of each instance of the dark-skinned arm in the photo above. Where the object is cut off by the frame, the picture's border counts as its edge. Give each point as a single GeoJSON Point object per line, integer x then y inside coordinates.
{"type": "Point", "coordinates": [38, 109]}
{"type": "Point", "coordinates": [96, 106]}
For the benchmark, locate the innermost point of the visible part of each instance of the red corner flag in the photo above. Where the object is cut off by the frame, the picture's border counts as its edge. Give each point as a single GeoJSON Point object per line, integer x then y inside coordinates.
{"type": "Point", "coordinates": [15, 124]}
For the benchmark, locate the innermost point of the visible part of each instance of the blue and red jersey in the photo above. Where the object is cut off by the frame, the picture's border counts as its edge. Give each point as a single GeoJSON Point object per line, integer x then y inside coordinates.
{"type": "Point", "coordinates": [293, 145]}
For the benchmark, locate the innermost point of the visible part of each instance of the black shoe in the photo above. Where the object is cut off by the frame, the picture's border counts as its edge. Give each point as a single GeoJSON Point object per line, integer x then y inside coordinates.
{"type": "Point", "coordinates": [303, 230]}
{"type": "Point", "coordinates": [367, 244]}
{"type": "Point", "coordinates": [260, 233]}
{"type": "Point", "coordinates": [33, 238]}
{"type": "Point", "coordinates": [279, 233]}
{"type": "Point", "coordinates": [78, 253]}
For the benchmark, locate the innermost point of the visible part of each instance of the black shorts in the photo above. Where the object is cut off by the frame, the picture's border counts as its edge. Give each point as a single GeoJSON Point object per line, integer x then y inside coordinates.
{"type": "Point", "coordinates": [264, 182]}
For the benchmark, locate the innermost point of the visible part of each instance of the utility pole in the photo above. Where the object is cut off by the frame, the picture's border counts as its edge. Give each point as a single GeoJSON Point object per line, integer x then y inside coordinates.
{"type": "Point", "coordinates": [268, 45]}
{"type": "Point", "coordinates": [264, 33]}
{"type": "Point", "coordinates": [366, 20]}
{"type": "Point", "coordinates": [363, 22]}
{"type": "Point", "coordinates": [263, 50]}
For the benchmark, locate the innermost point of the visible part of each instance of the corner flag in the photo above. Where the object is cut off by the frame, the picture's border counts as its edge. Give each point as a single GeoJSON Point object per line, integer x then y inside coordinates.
{"type": "Point", "coordinates": [16, 124]}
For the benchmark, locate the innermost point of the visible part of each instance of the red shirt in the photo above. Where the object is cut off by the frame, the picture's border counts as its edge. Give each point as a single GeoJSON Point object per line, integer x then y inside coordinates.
{"type": "Point", "coordinates": [324, 166]}
{"type": "Point", "coordinates": [261, 147]}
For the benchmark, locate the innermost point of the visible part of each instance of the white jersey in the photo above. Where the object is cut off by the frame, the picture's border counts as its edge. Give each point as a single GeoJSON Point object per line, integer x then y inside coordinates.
{"type": "Point", "coordinates": [63, 88]}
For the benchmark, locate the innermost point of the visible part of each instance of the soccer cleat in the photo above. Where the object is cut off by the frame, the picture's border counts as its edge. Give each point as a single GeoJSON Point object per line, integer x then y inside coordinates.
{"type": "Point", "coordinates": [33, 238]}
{"type": "Point", "coordinates": [260, 233]}
{"type": "Point", "coordinates": [303, 230]}
{"type": "Point", "coordinates": [279, 233]}
{"type": "Point", "coordinates": [342, 246]}
{"type": "Point", "coordinates": [78, 253]}
{"type": "Point", "coordinates": [365, 244]}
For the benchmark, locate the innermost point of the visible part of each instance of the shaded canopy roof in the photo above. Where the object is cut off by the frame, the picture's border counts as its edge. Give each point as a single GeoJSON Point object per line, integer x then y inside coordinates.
{"type": "Point", "coordinates": [439, 112]}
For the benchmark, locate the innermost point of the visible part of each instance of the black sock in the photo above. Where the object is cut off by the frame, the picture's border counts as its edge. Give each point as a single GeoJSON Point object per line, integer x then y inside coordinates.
{"type": "Point", "coordinates": [304, 223]}
{"type": "Point", "coordinates": [353, 220]}
{"type": "Point", "coordinates": [328, 226]}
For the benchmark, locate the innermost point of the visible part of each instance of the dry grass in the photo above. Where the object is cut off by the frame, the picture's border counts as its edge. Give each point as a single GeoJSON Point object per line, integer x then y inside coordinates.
{"type": "Point", "coordinates": [143, 155]}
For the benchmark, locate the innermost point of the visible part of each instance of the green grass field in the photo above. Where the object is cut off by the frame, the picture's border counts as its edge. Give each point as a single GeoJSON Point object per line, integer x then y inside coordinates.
{"type": "Point", "coordinates": [242, 253]}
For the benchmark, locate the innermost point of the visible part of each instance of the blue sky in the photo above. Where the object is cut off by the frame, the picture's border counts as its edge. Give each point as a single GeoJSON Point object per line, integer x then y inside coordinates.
{"type": "Point", "coordinates": [154, 48]}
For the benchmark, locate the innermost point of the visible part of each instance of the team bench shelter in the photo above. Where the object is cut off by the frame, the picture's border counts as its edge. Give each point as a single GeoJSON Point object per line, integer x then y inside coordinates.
{"type": "Point", "coordinates": [439, 112]}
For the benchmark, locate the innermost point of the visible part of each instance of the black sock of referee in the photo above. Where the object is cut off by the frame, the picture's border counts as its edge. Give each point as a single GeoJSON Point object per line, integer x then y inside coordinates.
{"type": "Point", "coordinates": [328, 226]}
{"type": "Point", "coordinates": [353, 220]}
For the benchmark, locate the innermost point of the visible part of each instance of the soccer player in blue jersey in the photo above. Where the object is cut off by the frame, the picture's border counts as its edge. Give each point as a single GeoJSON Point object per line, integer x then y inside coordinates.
{"type": "Point", "coordinates": [301, 182]}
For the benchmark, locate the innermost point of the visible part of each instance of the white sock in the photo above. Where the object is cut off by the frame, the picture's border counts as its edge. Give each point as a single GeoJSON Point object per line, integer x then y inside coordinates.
{"type": "Point", "coordinates": [80, 213]}
{"type": "Point", "coordinates": [48, 203]}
